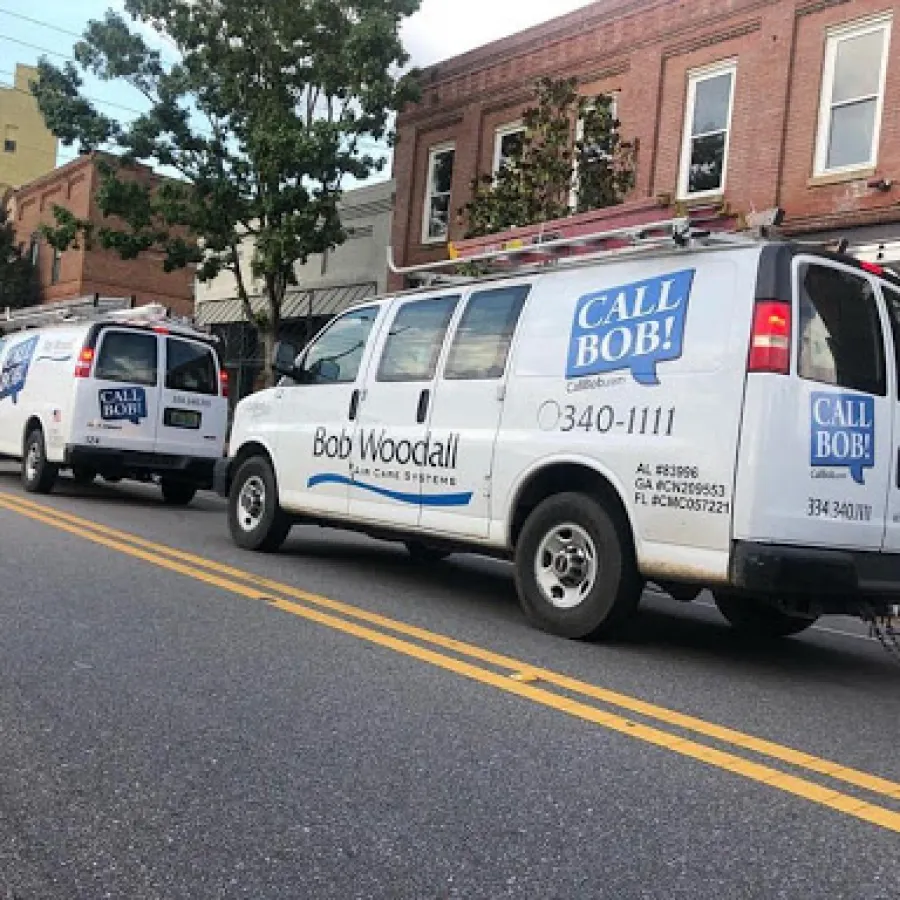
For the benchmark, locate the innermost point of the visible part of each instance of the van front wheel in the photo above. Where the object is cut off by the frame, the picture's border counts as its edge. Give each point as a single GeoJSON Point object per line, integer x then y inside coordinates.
{"type": "Point", "coordinates": [575, 569]}
{"type": "Point", "coordinates": [255, 517]}
{"type": "Point", "coordinates": [757, 619]}
{"type": "Point", "coordinates": [38, 475]}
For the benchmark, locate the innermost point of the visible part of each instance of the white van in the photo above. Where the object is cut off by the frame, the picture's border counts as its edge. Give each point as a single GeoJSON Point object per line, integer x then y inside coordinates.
{"type": "Point", "coordinates": [126, 395]}
{"type": "Point", "coordinates": [719, 413]}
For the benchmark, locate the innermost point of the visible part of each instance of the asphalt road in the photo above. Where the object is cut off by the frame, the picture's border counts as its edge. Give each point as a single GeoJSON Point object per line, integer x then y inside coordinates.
{"type": "Point", "coordinates": [334, 722]}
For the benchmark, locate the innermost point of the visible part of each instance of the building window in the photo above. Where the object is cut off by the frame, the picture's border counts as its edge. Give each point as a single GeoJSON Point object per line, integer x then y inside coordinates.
{"type": "Point", "coordinates": [852, 96]}
{"type": "Point", "coordinates": [10, 137]}
{"type": "Point", "coordinates": [707, 127]}
{"type": "Point", "coordinates": [34, 251]}
{"type": "Point", "coordinates": [592, 152]}
{"type": "Point", "coordinates": [509, 141]}
{"type": "Point", "coordinates": [57, 262]}
{"type": "Point", "coordinates": [9, 146]}
{"type": "Point", "coordinates": [436, 221]}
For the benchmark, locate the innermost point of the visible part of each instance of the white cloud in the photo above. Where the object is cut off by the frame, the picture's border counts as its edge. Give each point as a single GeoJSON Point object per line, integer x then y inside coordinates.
{"type": "Point", "coordinates": [445, 28]}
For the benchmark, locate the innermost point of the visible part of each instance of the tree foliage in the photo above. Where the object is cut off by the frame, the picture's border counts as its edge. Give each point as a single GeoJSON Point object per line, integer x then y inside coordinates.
{"type": "Point", "coordinates": [18, 278]}
{"type": "Point", "coordinates": [571, 149]}
{"type": "Point", "coordinates": [266, 112]}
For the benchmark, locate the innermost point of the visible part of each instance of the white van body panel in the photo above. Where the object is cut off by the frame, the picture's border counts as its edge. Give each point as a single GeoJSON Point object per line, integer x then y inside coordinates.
{"type": "Point", "coordinates": [36, 382]}
{"type": "Point", "coordinates": [114, 415]}
{"type": "Point", "coordinates": [631, 369]}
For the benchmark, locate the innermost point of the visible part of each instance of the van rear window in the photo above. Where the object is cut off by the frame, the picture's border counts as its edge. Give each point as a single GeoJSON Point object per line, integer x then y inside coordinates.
{"type": "Point", "coordinates": [127, 357]}
{"type": "Point", "coordinates": [190, 367]}
{"type": "Point", "coordinates": [841, 341]}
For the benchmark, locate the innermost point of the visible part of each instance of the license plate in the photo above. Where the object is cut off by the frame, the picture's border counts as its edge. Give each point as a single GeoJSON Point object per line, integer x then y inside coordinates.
{"type": "Point", "coordinates": [182, 418]}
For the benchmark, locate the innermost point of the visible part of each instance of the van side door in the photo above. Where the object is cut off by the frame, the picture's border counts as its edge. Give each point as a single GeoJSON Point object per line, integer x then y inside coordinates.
{"type": "Point", "coordinates": [392, 453]}
{"type": "Point", "coordinates": [315, 414]}
{"type": "Point", "coordinates": [118, 406]}
{"type": "Point", "coordinates": [193, 415]}
{"type": "Point", "coordinates": [468, 405]}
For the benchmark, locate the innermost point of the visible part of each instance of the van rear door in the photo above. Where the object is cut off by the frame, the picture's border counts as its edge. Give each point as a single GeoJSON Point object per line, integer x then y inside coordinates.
{"type": "Point", "coordinates": [117, 405]}
{"type": "Point", "coordinates": [892, 519]}
{"type": "Point", "coordinates": [815, 456]}
{"type": "Point", "coordinates": [193, 413]}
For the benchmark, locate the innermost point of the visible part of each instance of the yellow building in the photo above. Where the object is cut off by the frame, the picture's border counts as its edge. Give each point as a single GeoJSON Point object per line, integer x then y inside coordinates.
{"type": "Point", "coordinates": [28, 149]}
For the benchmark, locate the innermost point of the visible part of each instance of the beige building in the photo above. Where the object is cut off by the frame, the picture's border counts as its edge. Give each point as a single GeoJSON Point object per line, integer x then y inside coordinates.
{"type": "Point", "coordinates": [28, 149]}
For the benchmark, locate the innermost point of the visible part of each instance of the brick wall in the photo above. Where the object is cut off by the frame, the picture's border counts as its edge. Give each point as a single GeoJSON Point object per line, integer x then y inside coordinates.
{"type": "Point", "coordinates": [645, 50]}
{"type": "Point", "coordinates": [84, 272]}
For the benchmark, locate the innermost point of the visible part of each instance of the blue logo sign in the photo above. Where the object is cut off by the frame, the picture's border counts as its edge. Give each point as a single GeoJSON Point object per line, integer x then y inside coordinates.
{"type": "Point", "coordinates": [843, 433]}
{"type": "Point", "coordinates": [14, 372]}
{"type": "Point", "coordinates": [123, 405]}
{"type": "Point", "coordinates": [634, 326]}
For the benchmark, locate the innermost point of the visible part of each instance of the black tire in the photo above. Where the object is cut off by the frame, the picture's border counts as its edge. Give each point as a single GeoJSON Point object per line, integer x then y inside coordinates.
{"type": "Point", "coordinates": [759, 620]}
{"type": "Point", "coordinates": [613, 596]}
{"type": "Point", "coordinates": [425, 555]}
{"type": "Point", "coordinates": [265, 528]}
{"type": "Point", "coordinates": [38, 475]}
{"type": "Point", "coordinates": [177, 493]}
{"type": "Point", "coordinates": [83, 475]}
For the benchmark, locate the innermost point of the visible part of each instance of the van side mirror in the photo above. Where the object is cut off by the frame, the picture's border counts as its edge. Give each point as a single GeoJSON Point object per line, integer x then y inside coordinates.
{"type": "Point", "coordinates": [324, 371]}
{"type": "Point", "coordinates": [284, 358]}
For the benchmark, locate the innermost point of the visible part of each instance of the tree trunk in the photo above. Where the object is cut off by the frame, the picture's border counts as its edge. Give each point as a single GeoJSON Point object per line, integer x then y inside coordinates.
{"type": "Point", "coordinates": [266, 337]}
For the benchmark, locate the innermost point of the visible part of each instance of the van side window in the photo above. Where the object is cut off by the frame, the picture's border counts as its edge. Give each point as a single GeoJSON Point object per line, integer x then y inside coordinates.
{"type": "Point", "coordinates": [892, 299]}
{"type": "Point", "coordinates": [190, 367]}
{"type": "Point", "coordinates": [841, 341]}
{"type": "Point", "coordinates": [417, 335]}
{"type": "Point", "coordinates": [127, 356]}
{"type": "Point", "coordinates": [481, 345]}
{"type": "Point", "coordinates": [335, 357]}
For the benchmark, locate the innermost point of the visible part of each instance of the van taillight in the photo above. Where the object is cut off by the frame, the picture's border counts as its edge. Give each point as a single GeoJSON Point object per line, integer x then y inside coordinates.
{"type": "Point", "coordinates": [85, 361]}
{"type": "Point", "coordinates": [770, 342]}
{"type": "Point", "coordinates": [223, 383]}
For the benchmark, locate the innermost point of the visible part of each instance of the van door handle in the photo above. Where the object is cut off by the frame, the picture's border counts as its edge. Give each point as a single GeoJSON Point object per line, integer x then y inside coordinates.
{"type": "Point", "coordinates": [354, 405]}
{"type": "Point", "coordinates": [422, 412]}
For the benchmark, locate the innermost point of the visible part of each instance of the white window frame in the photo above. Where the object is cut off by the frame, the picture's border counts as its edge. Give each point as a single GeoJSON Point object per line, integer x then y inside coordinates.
{"type": "Point", "coordinates": [500, 133]}
{"type": "Point", "coordinates": [833, 38]}
{"type": "Point", "coordinates": [696, 77]}
{"type": "Point", "coordinates": [433, 153]}
{"type": "Point", "coordinates": [579, 135]}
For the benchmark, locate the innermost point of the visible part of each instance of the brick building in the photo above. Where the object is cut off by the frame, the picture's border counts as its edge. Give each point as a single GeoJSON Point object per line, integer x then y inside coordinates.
{"type": "Point", "coordinates": [83, 272]}
{"type": "Point", "coordinates": [757, 103]}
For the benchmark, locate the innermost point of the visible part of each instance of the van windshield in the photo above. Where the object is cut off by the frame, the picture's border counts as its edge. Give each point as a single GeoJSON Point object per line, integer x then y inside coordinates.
{"type": "Point", "coordinates": [841, 341]}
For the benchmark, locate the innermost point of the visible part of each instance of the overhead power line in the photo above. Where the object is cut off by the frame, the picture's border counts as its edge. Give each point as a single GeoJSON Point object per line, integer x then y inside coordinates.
{"type": "Point", "coordinates": [15, 15]}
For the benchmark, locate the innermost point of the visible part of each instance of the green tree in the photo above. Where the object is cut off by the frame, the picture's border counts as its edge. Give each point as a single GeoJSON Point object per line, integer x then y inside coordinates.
{"type": "Point", "coordinates": [551, 166]}
{"type": "Point", "coordinates": [267, 111]}
{"type": "Point", "coordinates": [18, 279]}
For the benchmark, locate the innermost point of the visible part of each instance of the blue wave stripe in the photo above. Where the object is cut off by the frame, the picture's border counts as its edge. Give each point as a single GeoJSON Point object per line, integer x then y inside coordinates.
{"type": "Point", "coordinates": [444, 500]}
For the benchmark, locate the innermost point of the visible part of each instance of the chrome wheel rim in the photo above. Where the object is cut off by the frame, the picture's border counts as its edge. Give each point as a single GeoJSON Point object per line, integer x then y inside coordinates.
{"type": "Point", "coordinates": [251, 505]}
{"type": "Point", "coordinates": [565, 566]}
{"type": "Point", "coordinates": [32, 461]}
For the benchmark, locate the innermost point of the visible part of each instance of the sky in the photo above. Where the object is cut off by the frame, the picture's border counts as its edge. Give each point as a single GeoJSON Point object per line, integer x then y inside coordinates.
{"type": "Point", "coordinates": [441, 29]}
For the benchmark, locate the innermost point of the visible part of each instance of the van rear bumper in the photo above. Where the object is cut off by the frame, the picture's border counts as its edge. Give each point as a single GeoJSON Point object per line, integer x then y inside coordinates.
{"type": "Point", "coordinates": [195, 470]}
{"type": "Point", "coordinates": [774, 569]}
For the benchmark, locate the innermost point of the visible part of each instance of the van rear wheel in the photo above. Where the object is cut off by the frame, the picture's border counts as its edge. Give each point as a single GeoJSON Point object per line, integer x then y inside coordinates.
{"type": "Point", "coordinates": [758, 619]}
{"type": "Point", "coordinates": [255, 517]}
{"type": "Point", "coordinates": [38, 475]}
{"type": "Point", "coordinates": [575, 568]}
{"type": "Point", "coordinates": [177, 493]}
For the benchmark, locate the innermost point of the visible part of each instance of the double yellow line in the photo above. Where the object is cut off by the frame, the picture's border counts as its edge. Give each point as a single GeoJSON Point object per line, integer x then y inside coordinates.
{"type": "Point", "coordinates": [611, 710]}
